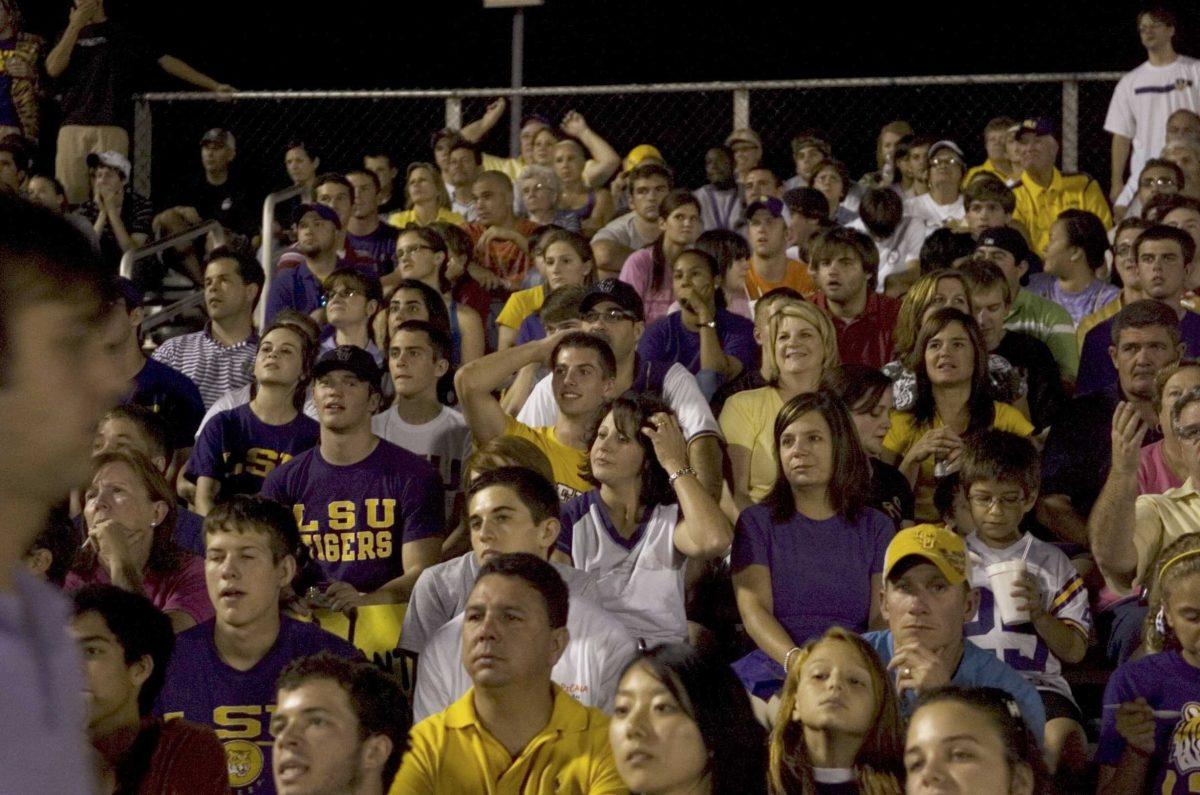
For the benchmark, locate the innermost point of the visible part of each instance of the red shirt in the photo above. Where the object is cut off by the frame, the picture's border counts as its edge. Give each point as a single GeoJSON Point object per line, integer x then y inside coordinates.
{"type": "Point", "coordinates": [504, 257]}
{"type": "Point", "coordinates": [867, 339]}
{"type": "Point", "coordinates": [186, 757]}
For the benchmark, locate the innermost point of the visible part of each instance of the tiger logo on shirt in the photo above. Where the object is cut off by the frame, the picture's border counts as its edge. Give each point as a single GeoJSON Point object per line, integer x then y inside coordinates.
{"type": "Point", "coordinates": [245, 762]}
{"type": "Point", "coordinates": [1185, 740]}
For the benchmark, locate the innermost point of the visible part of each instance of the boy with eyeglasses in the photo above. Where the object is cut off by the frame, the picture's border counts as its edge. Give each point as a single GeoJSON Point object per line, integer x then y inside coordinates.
{"type": "Point", "coordinates": [1000, 475]}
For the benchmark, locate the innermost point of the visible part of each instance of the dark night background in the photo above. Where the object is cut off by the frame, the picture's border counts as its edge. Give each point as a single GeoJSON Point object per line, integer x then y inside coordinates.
{"type": "Point", "coordinates": [267, 44]}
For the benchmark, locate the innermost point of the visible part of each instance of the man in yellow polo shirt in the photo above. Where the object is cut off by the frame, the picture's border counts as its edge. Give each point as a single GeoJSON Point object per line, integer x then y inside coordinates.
{"type": "Point", "coordinates": [514, 732]}
{"type": "Point", "coordinates": [1043, 191]}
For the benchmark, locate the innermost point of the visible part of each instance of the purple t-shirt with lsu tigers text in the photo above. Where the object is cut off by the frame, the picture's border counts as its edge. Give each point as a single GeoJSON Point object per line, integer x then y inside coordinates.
{"type": "Point", "coordinates": [200, 687]}
{"type": "Point", "coordinates": [240, 450]}
{"type": "Point", "coordinates": [355, 519]}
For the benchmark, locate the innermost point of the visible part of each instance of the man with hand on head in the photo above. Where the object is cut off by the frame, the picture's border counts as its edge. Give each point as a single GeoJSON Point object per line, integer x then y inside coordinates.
{"type": "Point", "coordinates": [613, 311]}
{"type": "Point", "coordinates": [926, 600]}
{"type": "Point", "coordinates": [514, 731]}
{"type": "Point", "coordinates": [222, 672]}
{"type": "Point", "coordinates": [371, 512]}
{"type": "Point", "coordinates": [510, 510]}
{"type": "Point", "coordinates": [340, 728]}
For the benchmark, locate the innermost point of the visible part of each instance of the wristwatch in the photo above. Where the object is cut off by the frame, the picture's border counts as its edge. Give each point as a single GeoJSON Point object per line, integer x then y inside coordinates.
{"type": "Point", "coordinates": [712, 324]}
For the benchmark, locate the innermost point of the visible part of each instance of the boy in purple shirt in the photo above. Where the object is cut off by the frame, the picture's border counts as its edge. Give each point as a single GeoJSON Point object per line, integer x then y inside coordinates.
{"type": "Point", "coordinates": [371, 513]}
{"type": "Point", "coordinates": [715, 345]}
{"type": "Point", "coordinates": [222, 672]}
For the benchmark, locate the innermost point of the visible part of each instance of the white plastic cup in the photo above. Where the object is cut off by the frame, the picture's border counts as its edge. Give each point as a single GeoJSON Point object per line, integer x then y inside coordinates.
{"type": "Point", "coordinates": [1002, 577]}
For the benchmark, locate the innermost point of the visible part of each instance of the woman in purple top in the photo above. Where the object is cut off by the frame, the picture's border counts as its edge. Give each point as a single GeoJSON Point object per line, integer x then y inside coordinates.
{"type": "Point", "coordinates": [648, 270]}
{"type": "Point", "coordinates": [241, 446]}
{"type": "Point", "coordinates": [715, 345]}
{"type": "Point", "coordinates": [130, 513]}
{"type": "Point", "coordinates": [810, 555]}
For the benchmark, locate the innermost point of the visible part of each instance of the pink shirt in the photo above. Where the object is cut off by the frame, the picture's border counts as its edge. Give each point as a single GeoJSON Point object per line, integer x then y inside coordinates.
{"type": "Point", "coordinates": [182, 590]}
{"type": "Point", "coordinates": [1154, 476]}
{"type": "Point", "coordinates": [638, 272]}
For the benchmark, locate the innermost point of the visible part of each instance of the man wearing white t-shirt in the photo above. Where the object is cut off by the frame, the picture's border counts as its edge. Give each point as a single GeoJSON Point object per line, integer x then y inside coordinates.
{"type": "Point", "coordinates": [942, 205]}
{"type": "Point", "coordinates": [613, 311]}
{"type": "Point", "coordinates": [418, 357]}
{"type": "Point", "coordinates": [510, 510]}
{"type": "Point", "coordinates": [1147, 96]}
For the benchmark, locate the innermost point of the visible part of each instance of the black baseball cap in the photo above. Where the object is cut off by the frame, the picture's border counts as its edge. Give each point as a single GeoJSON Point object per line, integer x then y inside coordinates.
{"type": "Point", "coordinates": [620, 293]}
{"type": "Point", "coordinates": [350, 358]}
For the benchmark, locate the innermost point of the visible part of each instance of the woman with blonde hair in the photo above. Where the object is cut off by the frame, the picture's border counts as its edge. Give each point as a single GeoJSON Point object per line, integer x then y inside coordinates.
{"type": "Point", "coordinates": [799, 353]}
{"type": "Point", "coordinates": [839, 721]}
{"type": "Point", "coordinates": [426, 199]}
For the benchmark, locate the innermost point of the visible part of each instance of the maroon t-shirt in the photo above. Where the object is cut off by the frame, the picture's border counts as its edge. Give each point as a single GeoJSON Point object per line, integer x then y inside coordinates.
{"type": "Point", "coordinates": [867, 339]}
{"type": "Point", "coordinates": [186, 757]}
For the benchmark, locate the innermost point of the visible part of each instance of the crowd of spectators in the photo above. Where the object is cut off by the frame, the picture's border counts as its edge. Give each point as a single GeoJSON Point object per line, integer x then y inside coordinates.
{"type": "Point", "coordinates": [546, 473]}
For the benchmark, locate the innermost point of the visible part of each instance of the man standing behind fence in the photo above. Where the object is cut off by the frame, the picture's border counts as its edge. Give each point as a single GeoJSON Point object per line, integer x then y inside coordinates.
{"type": "Point", "coordinates": [1146, 97]}
{"type": "Point", "coordinates": [96, 61]}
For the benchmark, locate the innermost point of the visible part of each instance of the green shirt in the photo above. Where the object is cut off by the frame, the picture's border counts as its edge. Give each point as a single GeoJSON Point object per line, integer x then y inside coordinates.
{"type": "Point", "coordinates": [1050, 323]}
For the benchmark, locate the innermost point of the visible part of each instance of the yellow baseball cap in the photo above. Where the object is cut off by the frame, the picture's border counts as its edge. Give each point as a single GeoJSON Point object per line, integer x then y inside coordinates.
{"type": "Point", "coordinates": [933, 543]}
{"type": "Point", "coordinates": [639, 153]}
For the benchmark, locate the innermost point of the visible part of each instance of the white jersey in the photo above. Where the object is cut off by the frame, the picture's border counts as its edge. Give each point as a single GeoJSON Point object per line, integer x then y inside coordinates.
{"type": "Point", "coordinates": [679, 391]}
{"type": "Point", "coordinates": [934, 215]}
{"type": "Point", "coordinates": [897, 251]}
{"type": "Point", "coordinates": [640, 579]}
{"type": "Point", "coordinates": [240, 397]}
{"type": "Point", "coordinates": [1019, 645]}
{"type": "Point", "coordinates": [1143, 101]}
{"type": "Point", "coordinates": [589, 669]}
{"type": "Point", "coordinates": [441, 593]}
{"type": "Point", "coordinates": [445, 441]}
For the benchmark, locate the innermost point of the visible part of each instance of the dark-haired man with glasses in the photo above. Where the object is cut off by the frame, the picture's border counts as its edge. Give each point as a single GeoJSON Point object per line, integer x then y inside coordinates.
{"type": "Point", "coordinates": [613, 311]}
{"type": "Point", "coordinates": [299, 288]}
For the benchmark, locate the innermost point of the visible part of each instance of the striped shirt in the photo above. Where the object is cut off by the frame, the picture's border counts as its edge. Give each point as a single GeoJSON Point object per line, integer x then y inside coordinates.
{"type": "Point", "coordinates": [215, 368]}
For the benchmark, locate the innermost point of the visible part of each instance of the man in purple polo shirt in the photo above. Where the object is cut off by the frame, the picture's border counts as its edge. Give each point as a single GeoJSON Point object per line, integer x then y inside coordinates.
{"type": "Point", "coordinates": [845, 262]}
{"type": "Point", "coordinates": [60, 357]}
{"type": "Point", "coordinates": [371, 513]}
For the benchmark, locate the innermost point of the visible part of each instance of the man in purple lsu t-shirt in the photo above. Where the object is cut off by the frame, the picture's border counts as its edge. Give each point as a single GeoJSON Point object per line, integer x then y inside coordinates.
{"type": "Point", "coordinates": [371, 512]}
{"type": "Point", "coordinates": [223, 672]}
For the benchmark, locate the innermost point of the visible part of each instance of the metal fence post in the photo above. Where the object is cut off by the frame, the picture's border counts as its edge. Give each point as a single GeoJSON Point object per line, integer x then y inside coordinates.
{"type": "Point", "coordinates": [1070, 125]}
{"type": "Point", "coordinates": [454, 113]}
{"type": "Point", "coordinates": [142, 146]}
{"type": "Point", "coordinates": [741, 109]}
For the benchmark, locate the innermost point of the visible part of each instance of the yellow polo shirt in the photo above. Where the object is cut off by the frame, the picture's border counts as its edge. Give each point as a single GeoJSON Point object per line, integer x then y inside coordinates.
{"type": "Point", "coordinates": [452, 754]}
{"type": "Point", "coordinates": [565, 462]}
{"type": "Point", "coordinates": [445, 215]}
{"type": "Point", "coordinates": [1159, 519]}
{"type": "Point", "coordinates": [986, 167]}
{"type": "Point", "coordinates": [1038, 207]}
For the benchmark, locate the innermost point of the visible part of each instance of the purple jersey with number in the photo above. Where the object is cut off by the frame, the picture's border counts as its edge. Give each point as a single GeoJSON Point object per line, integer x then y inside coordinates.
{"type": "Point", "coordinates": [200, 687]}
{"type": "Point", "coordinates": [1168, 683]}
{"type": "Point", "coordinates": [239, 450]}
{"type": "Point", "coordinates": [820, 570]}
{"type": "Point", "coordinates": [356, 518]}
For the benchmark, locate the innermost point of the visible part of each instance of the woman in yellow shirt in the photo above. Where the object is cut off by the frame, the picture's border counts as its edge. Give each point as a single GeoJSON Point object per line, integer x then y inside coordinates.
{"type": "Point", "coordinates": [426, 199]}
{"type": "Point", "coordinates": [952, 399]}
{"type": "Point", "coordinates": [799, 352]}
{"type": "Point", "coordinates": [564, 258]}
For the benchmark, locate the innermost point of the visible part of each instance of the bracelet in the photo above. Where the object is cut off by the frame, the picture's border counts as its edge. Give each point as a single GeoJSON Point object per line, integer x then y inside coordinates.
{"type": "Point", "coordinates": [687, 470]}
{"type": "Point", "coordinates": [787, 659]}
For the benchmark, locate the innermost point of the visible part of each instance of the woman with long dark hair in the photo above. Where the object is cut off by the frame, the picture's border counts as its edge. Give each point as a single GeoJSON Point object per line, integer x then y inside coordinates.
{"type": "Point", "coordinates": [649, 515]}
{"type": "Point", "coordinates": [682, 723]}
{"type": "Point", "coordinates": [815, 520]}
{"type": "Point", "coordinates": [649, 269]}
{"type": "Point", "coordinates": [952, 399]}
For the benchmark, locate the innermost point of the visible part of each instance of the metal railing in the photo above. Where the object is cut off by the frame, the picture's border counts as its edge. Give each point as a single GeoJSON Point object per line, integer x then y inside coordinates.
{"type": "Point", "coordinates": [266, 252]}
{"type": "Point", "coordinates": [683, 119]}
{"type": "Point", "coordinates": [150, 249]}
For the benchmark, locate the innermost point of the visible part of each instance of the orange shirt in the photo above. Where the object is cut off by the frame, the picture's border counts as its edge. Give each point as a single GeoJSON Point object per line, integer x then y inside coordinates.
{"type": "Point", "coordinates": [797, 277]}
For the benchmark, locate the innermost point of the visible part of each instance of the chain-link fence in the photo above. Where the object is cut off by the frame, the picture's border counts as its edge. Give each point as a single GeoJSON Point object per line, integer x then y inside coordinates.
{"type": "Point", "coordinates": [682, 120]}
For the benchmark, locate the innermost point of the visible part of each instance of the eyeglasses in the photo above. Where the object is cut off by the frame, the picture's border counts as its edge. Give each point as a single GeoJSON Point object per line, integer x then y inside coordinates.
{"type": "Point", "coordinates": [401, 253]}
{"type": "Point", "coordinates": [1158, 182]}
{"type": "Point", "coordinates": [607, 316]}
{"type": "Point", "coordinates": [987, 502]}
{"type": "Point", "coordinates": [1124, 250]}
{"type": "Point", "coordinates": [342, 292]}
{"type": "Point", "coordinates": [945, 161]}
